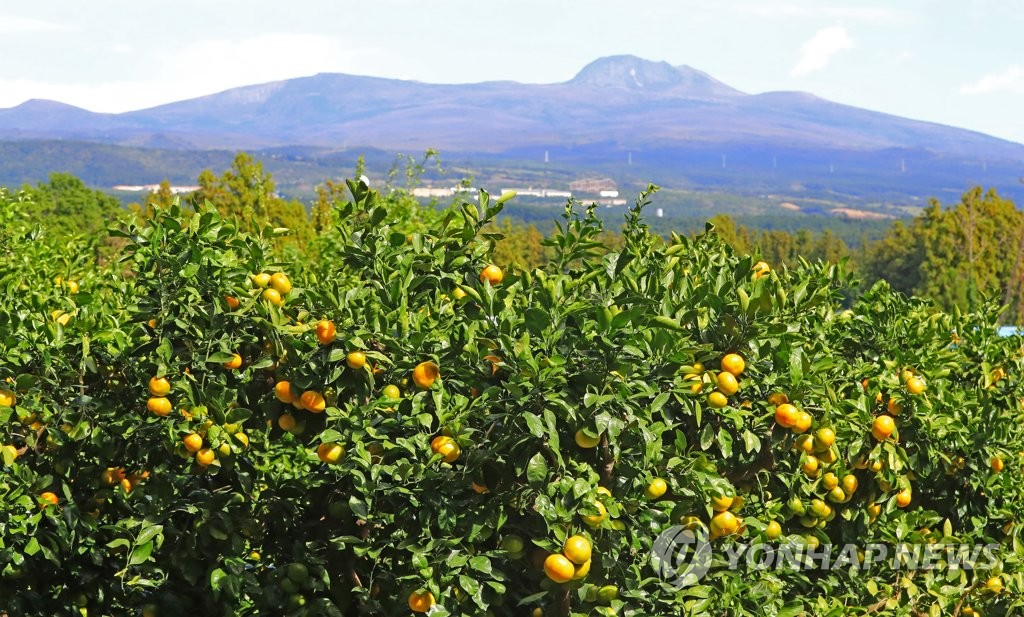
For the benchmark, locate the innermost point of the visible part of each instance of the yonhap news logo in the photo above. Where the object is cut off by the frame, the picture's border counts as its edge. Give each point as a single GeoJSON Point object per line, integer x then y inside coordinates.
{"type": "Point", "coordinates": [682, 556]}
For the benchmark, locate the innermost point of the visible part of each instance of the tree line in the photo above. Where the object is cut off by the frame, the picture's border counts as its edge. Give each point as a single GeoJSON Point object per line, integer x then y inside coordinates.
{"type": "Point", "coordinates": [956, 255]}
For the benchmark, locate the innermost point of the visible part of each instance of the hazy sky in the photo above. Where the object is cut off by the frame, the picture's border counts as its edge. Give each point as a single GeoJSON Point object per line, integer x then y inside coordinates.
{"type": "Point", "coordinates": [958, 62]}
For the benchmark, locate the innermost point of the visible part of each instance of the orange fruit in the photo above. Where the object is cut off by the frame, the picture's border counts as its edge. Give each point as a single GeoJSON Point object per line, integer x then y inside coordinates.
{"type": "Point", "coordinates": [313, 401]}
{"type": "Point", "coordinates": [656, 489]}
{"type": "Point", "coordinates": [204, 457]}
{"type": "Point", "coordinates": [577, 549]}
{"type": "Point", "coordinates": [778, 398]}
{"type": "Point", "coordinates": [283, 392]}
{"type": "Point", "coordinates": [458, 293]}
{"type": "Point", "coordinates": [994, 584]}
{"type": "Point", "coordinates": [850, 484]}
{"type": "Point", "coordinates": [232, 302]}
{"type": "Point", "coordinates": [330, 453]}
{"type": "Point", "coordinates": [894, 407]}
{"type": "Point", "coordinates": [272, 296]}
{"type": "Point", "coordinates": [392, 392]}
{"type": "Point", "coordinates": [193, 442]}
{"type": "Point", "coordinates": [558, 568]}
{"type": "Point", "coordinates": [760, 269]}
{"type": "Point", "coordinates": [159, 386]}
{"type": "Point", "coordinates": [722, 503]}
{"type": "Point", "coordinates": [727, 384]}
{"type": "Point", "coordinates": [804, 443]}
{"type": "Point", "coordinates": [903, 498]}
{"type": "Point", "coordinates": [595, 520]}
{"type": "Point", "coordinates": [810, 466]}
{"type": "Point", "coordinates": [996, 464]}
{"type": "Point", "coordinates": [479, 488]}
{"type": "Point", "coordinates": [234, 363]}
{"type": "Point", "coordinates": [492, 274]}
{"type": "Point", "coordinates": [717, 400]}
{"type": "Point", "coordinates": [326, 332]}
{"type": "Point", "coordinates": [7, 398]}
{"type": "Point", "coordinates": [286, 421]}
{"type": "Point", "coordinates": [581, 571]}
{"type": "Point", "coordinates": [446, 447]}
{"type": "Point", "coordinates": [261, 280]}
{"type": "Point", "coordinates": [830, 481]}
{"type": "Point", "coordinates": [733, 363]}
{"type": "Point", "coordinates": [773, 530]}
{"type": "Point", "coordinates": [279, 281]}
{"type": "Point", "coordinates": [786, 415]}
{"type": "Point", "coordinates": [355, 359]}
{"type": "Point", "coordinates": [494, 360]}
{"type": "Point", "coordinates": [803, 422]}
{"type": "Point", "coordinates": [915, 385]}
{"type": "Point", "coordinates": [824, 438]}
{"type": "Point", "coordinates": [425, 374]}
{"type": "Point", "coordinates": [724, 524]}
{"type": "Point", "coordinates": [49, 499]}
{"type": "Point", "coordinates": [874, 510]}
{"type": "Point", "coordinates": [159, 406]}
{"type": "Point", "coordinates": [585, 441]}
{"type": "Point", "coordinates": [882, 427]}
{"type": "Point", "coordinates": [421, 601]}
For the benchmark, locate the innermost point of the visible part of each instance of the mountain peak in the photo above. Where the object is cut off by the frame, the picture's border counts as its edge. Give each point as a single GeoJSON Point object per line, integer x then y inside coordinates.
{"type": "Point", "coordinates": [633, 73]}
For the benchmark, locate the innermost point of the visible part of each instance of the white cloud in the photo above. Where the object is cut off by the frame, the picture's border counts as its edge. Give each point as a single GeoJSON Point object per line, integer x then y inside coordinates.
{"type": "Point", "coordinates": [203, 68]}
{"type": "Point", "coordinates": [816, 53]}
{"type": "Point", "coordinates": [1010, 79]}
{"type": "Point", "coordinates": [23, 25]}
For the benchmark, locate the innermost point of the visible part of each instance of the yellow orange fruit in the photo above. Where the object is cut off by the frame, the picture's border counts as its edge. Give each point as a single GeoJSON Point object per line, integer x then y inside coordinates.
{"type": "Point", "coordinates": [421, 601]}
{"type": "Point", "coordinates": [733, 364]}
{"type": "Point", "coordinates": [193, 442]}
{"type": "Point", "coordinates": [915, 385]}
{"type": "Point", "coordinates": [994, 584]}
{"type": "Point", "coordinates": [48, 498]}
{"type": "Point", "coordinates": [7, 398]}
{"type": "Point", "coordinates": [656, 488]}
{"type": "Point", "coordinates": [272, 296]}
{"type": "Point", "coordinates": [830, 481]}
{"type": "Point", "coordinates": [903, 498]}
{"type": "Point", "coordinates": [446, 447]}
{"type": "Point", "coordinates": [585, 441]}
{"type": "Point", "coordinates": [425, 374]}
{"type": "Point", "coordinates": [286, 421]}
{"type": "Point", "coordinates": [330, 453]}
{"type": "Point", "coordinates": [727, 384]}
{"type": "Point", "coordinates": [883, 427]}
{"type": "Point", "coordinates": [773, 530]}
{"type": "Point", "coordinates": [721, 503]}
{"type": "Point", "coordinates": [577, 549]}
{"type": "Point", "coordinates": [159, 386]}
{"type": "Point", "coordinates": [724, 524]}
{"type": "Point", "coordinates": [261, 280]}
{"type": "Point", "coordinates": [283, 391]}
{"type": "Point", "coordinates": [778, 398]}
{"type": "Point", "coordinates": [558, 568]}
{"type": "Point", "coordinates": [595, 520]}
{"type": "Point", "coordinates": [313, 401]}
{"type": "Point", "coordinates": [232, 302]}
{"type": "Point", "coordinates": [279, 281]}
{"type": "Point", "coordinates": [326, 332]}
{"type": "Point", "coordinates": [996, 464]}
{"type": "Point", "coordinates": [717, 400]}
{"type": "Point", "coordinates": [786, 415]}
{"type": "Point", "coordinates": [392, 392]}
{"type": "Point", "coordinates": [234, 363]}
{"type": "Point", "coordinates": [159, 406]}
{"type": "Point", "coordinates": [581, 571]}
{"type": "Point", "coordinates": [355, 360]}
{"type": "Point", "coordinates": [205, 457]}
{"type": "Point", "coordinates": [492, 274]}
{"type": "Point", "coordinates": [824, 438]}
{"type": "Point", "coordinates": [760, 269]}
{"type": "Point", "coordinates": [803, 422]}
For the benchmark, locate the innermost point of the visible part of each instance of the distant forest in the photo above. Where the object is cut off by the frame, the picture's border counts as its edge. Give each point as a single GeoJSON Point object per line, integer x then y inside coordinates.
{"type": "Point", "coordinates": [956, 254]}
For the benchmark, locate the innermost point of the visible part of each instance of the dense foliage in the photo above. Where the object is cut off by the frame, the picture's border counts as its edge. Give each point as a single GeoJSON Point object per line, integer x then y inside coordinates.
{"type": "Point", "coordinates": [389, 422]}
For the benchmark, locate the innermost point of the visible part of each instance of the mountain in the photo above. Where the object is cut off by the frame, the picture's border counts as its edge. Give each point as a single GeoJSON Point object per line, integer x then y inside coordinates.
{"type": "Point", "coordinates": [615, 109]}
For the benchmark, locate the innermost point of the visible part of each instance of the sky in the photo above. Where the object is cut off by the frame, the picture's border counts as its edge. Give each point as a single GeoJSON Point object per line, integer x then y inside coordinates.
{"type": "Point", "coordinates": [956, 62]}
